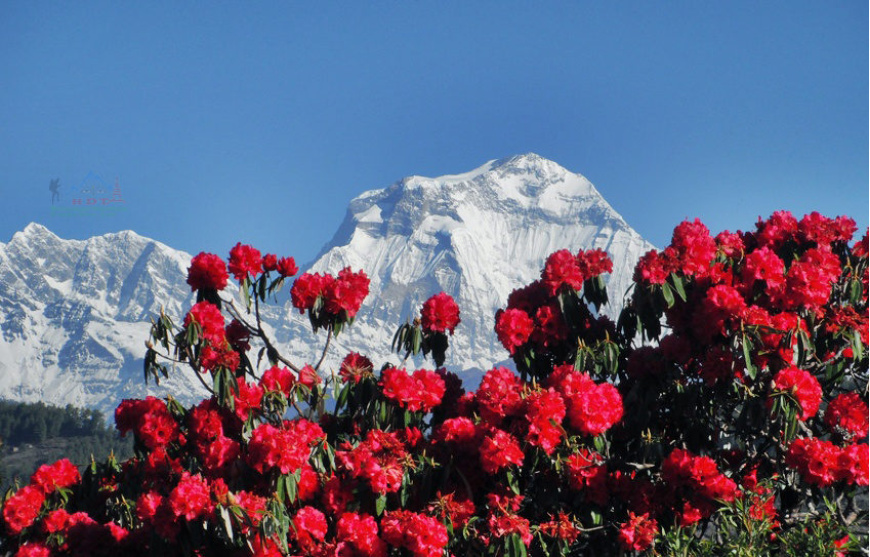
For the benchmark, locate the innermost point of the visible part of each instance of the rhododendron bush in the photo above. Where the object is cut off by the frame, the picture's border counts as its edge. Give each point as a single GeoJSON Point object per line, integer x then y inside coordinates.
{"type": "Point", "coordinates": [725, 412]}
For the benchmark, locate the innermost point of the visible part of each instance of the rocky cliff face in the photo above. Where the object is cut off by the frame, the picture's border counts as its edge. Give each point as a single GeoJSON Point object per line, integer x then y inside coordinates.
{"type": "Point", "coordinates": [75, 314]}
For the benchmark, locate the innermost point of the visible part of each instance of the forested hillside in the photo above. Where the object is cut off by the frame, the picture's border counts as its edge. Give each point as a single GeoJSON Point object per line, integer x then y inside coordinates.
{"type": "Point", "coordinates": [33, 434]}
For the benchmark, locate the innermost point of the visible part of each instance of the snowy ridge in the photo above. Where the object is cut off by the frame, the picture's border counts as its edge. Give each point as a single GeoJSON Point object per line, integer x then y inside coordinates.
{"type": "Point", "coordinates": [477, 236]}
{"type": "Point", "coordinates": [75, 316]}
{"type": "Point", "coordinates": [75, 313]}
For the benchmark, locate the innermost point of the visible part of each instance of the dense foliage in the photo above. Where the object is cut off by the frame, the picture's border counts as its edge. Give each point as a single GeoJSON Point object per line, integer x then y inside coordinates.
{"type": "Point", "coordinates": [725, 413]}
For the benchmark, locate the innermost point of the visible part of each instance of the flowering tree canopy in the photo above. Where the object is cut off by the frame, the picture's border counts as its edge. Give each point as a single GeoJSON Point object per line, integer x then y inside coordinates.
{"type": "Point", "coordinates": [727, 405]}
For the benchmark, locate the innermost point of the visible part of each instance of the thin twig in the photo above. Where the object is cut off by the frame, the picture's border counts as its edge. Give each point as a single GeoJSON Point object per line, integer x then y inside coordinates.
{"type": "Point", "coordinates": [325, 348]}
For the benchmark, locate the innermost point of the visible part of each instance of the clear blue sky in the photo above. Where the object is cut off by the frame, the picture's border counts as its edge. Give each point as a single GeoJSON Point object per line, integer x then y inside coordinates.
{"type": "Point", "coordinates": [260, 121]}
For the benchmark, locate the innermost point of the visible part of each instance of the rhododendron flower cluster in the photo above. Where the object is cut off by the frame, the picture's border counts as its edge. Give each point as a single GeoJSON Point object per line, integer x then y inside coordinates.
{"type": "Point", "coordinates": [803, 386]}
{"type": "Point", "coordinates": [245, 262]}
{"type": "Point", "coordinates": [207, 270]}
{"type": "Point", "coordinates": [419, 391]}
{"type": "Point", "coordinates": [343, 293]}
{"type": "Point", "coordinates": [440, 313]}
{"type": "Point", "coordinates": [823, 463]}
{"type": "Point", "coordinates": [422, 535]}
{"type": "Point", "coordinates": [736, 357]}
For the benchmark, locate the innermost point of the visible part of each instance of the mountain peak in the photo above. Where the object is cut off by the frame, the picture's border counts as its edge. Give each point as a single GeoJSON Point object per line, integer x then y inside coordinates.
{"type": "Point", "coordinates": [34, 230]}
{"type": "Point", "coordinates": [525, 161]}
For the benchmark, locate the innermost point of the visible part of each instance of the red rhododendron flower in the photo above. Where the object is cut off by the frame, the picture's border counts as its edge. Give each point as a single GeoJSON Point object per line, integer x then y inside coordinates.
{"type": "Point", "coordinates": [823, 231]}
{"type": "Point", "coordinates": [421, 391]}
{"type": "Point", "coordinates": [499, 395]}
{"type": "Point", "coordinates": [379, 459]}
{"type": "Point", "coordinates": [287, 267]}
{"type": "Point", "coordinates": [345, 293]}
{"type": "Point", "coordinates": [360, 531]}
{"type": "Point", "coordinates": [149, 419]}
{"type": "Point", "coordinates": [21, 509]}
{"type": "Point", "coordinates": [544, 413]}
{"type": "Point", "coordinates": [305, 290]}
{"type": "Point", "coordinates": [499, 450]}
{"type": "Point", "coordinates": [718, 365]}
{"type": "Point", "coordinates": [775, 231]}
{"type": "Point", "coordinates": [308, 377]}
{"type": "Point", "coordinates": [270, 262]}
{"type": "Point", "coordinates": [245, 261]}
{"type": "Point", "coordinates": [270, 448]}
{"type": "Point", "coordinates": [594, 262]}
{"type": "Point", "coordinates": [852, 464]}
{"type": "Point", "coordinates": [247, 399]}
{"type": "Point", "coordinates": [211, 359]}
{"type": "Point", "coordinates": [440, 313]}
{"type": "Point", "coordinates": [849, 412]}
{"type": "Point", "coordinates": [354, 367]}
{"type": "Point", "coordinates": [803, 386]}
{"type": "Point", "coordinates": [254, 507]}
{"type": "Point", "coordinates": [638, 533]}
{"type": "Point", "coordinates": [721, 309]}
{"type": "Point", "coordinates": [694, 247]}
{"type": "Point", "coordinates": [701, 478]}
{"type": "Point", "coordinates": [593, 409]}
{"type": "Point", "coordinates": [210, 320]}
{"type": "Point", "coordinates": [862, 246]}
{"type": "Point", "coordinates": [33, 549]}
{"type": "Point", "coordinates": [513, 327]}
{"type": "Point", "coordinates": [460, 432]}
{"type": "Point", "coordinates": [761, 499]}
{"type": "Point", "coordinates": [191, 498]}
{"type": "Point", "coordinates": [653, 268]}
{"type": "Point", "coordinates": [207, 270]}
{"type": "Point", "coordinates": [421, 535]}
{"type": "Point", "coordinates": [561, 268]}
{"type": "Point", "coordinates": [501, 525]}
{"type": "Point", "coordinates": [730, 244]}
{"type": "Point", "coordinates": [309, 527]}
{"type": "Point", "coordinates": [308, 485]}
{"type": "Point", "coordinates": [561, 527]}
{"type": "Point", "coordinates": [550, 330]}
{"type": "Point", "coordinates": [238, 336]}
{"type": "Point", "coordinates": [809, 280]}
{"type": "Point", "coordinates": [59, 475]}
{"type": "Point", "coordinates": [277, 379]}
{"type": "Point", "coordinates": [218, 455]}
{"type": "Point", "coordinates": [588, 474]}
{"type": "Point", "coordinates": [763, 265]}
{"type": "Point", "coordinates": [814, 459]}
{"type": "Point", "coordinates": [454, 507]}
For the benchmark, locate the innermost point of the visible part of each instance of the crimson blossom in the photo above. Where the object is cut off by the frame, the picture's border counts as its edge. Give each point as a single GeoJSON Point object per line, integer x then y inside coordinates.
{"type": "Point", "coordinates": [440, 313]}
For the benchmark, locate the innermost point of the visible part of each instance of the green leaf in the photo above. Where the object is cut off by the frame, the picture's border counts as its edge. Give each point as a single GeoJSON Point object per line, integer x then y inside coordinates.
{"type": "Point", "coordinates": [225, 521]}
{"type": "Point", "coordinates": [281, 488]}
{"type": "Point", "coordinates": [599, 443]}
{"type": "Point", "coordinates": [747, 355]}
{"type": "Point", "coordinates": [418, 340]}
{"type": "Point", "coordinates": [855, 292]}
{"type": "Point", "coordinates": [262, 284]}
{"type": "Point", "coordinates": [857, 346]}
{"type": "Point", "coordinates": [668, 294]}
{"type": "Point", "coordinates": [678, 285]}
{"type": "Point", "coordinates": [380, 504]}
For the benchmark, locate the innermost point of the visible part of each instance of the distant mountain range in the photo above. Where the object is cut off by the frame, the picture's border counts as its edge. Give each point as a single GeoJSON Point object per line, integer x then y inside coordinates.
{"type": "Point", "coordinates": [74, 314]}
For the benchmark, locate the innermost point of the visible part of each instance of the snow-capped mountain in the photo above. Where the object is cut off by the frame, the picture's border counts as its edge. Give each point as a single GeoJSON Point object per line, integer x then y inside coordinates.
{"type": "Point", "coordinates": [476, 236]}
{"type": "Point", "coordinates": [74, 317]}
{"type": "Point", "coordinates": [75, 314]}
